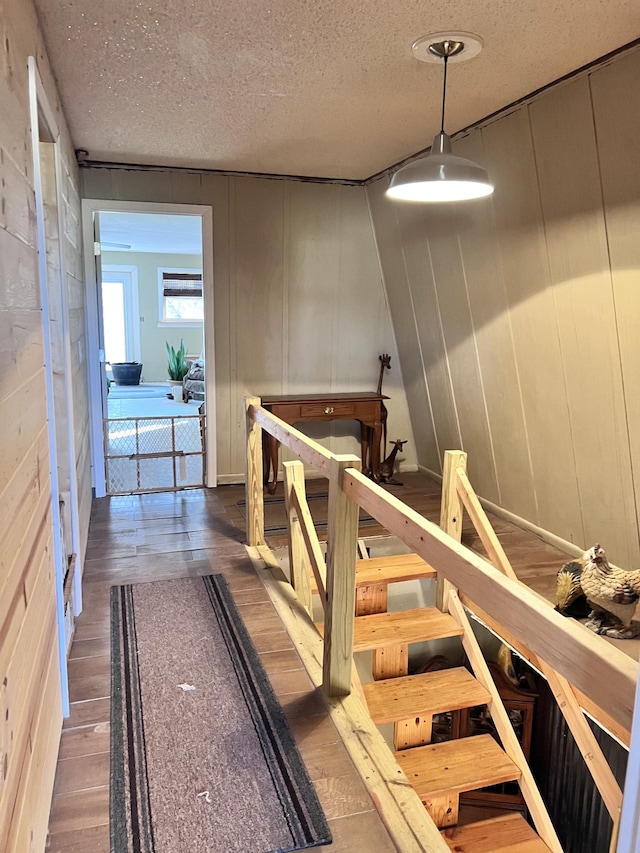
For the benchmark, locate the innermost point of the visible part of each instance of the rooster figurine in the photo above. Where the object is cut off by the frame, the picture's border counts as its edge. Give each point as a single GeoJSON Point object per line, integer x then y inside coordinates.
{"type": "Point", "coordinates": [611, 593]}
{"type": "Point", "coordinates": [570, 597]}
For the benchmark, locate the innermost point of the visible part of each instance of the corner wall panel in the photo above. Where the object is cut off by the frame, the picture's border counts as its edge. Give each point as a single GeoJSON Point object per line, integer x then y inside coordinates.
{"type": "Point", "coordinates": [522, 310]}
{"type": "Point", "coordinates": [523, 256]}
{"type": "Point", "coordinates": [615, 92]}
{"type": "Point", "coordinates": [495, 345]}
{"type": "Point", "coordinates": [576, 242]}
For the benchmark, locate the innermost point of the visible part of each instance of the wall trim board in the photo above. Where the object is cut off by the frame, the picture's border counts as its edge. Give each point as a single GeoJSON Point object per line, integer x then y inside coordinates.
{"type": "Point", "coordinates": [230, 479]}
{"type": "Point", "coordinates": [225, 173]}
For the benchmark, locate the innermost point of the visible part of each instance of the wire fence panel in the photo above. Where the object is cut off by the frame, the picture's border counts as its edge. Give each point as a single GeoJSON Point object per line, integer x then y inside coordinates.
{"type": "Point", "coordinates": [154, 454]}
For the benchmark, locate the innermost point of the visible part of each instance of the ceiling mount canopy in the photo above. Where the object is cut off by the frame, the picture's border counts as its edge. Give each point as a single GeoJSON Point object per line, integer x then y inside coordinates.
{"type": "Point", "coordinates": [441, 176]}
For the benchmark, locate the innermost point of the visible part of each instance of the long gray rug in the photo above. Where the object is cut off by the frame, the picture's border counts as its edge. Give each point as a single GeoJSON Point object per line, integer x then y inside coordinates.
{"type": "Point", "coordinates": [202, 758]}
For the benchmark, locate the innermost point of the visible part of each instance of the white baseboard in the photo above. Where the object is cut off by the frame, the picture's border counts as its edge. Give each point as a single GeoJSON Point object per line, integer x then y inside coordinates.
{"type": "Point", "coordinates": [230, 479]}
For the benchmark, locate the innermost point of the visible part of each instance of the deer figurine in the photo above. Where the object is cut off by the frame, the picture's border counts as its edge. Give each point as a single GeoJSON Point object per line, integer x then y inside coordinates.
{"type": "Point", "coordinates": [387, 465]}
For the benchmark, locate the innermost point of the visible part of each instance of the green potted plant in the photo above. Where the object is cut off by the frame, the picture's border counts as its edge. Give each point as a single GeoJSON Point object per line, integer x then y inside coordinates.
{"type": "Point", "coordinates": [177, 367]}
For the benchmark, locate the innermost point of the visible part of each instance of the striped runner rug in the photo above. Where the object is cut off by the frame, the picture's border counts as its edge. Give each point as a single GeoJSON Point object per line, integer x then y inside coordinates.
{"type": "Point", "coordinates": [202, 758]}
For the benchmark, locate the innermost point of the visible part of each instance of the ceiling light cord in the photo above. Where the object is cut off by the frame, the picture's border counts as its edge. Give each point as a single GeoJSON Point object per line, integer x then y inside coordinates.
{"type": "Point", "coordinates": [440, 176]}
{"type": "Point", "coordinates": [444, 91]}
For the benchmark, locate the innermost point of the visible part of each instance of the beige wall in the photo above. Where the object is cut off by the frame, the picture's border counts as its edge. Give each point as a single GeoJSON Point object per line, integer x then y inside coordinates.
{"type": "Point", "coordinates": [298, 295]}
{"type": "Point", "coordinates": [518, 316]}
{"type": "Point", "coordinates": [153, 337]}
{"type": "Point", "coordinates": [30, 706]}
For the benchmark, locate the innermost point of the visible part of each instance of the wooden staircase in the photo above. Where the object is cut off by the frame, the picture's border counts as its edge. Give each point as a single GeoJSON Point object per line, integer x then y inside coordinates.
{"type": "Point", "coordinates": [439, 772]}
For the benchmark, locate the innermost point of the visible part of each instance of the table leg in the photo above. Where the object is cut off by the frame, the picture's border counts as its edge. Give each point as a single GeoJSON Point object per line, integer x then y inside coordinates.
{"type": "Point", "coordinates": [365, 447]}
{"type": "Point", "coordinates": [375, 450]}
{"type": "Point", "coordinates": [270, 449]}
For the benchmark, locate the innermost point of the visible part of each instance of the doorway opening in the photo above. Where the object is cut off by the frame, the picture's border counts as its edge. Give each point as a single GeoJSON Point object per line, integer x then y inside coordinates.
{"type": "Point", "coordinates": [151, 292]}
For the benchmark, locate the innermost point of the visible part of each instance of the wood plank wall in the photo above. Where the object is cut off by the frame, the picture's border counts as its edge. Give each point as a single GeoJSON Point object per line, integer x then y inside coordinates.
{"type": "Point", "coordinates": [298, 295]}
{"type": "Point", "coordinates": [518, 315]}
{"type": "Point", "coordinates": [30, 705]}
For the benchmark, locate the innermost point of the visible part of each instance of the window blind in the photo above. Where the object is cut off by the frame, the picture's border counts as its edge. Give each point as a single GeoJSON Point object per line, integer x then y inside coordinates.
{"type": "Point", "coordinates": [182, 284]}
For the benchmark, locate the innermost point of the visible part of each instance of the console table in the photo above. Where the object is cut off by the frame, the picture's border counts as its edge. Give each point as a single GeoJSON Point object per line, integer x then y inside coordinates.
{"type": "Point", "coordinates": [366, 407]}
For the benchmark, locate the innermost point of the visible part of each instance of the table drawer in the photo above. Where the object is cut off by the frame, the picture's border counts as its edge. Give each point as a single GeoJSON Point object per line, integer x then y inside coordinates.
{"type": "Point", "coordinates": [313, 411]}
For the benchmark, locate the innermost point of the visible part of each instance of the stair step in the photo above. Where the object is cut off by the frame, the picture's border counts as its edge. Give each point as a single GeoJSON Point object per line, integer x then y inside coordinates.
{"type": "Point", "coordinates": [456, 766]}
{"type": "Point", "coordinates": [504, 834]}
{"type": "Point", "coordinates": [405, 626]}
{"type": "Point", "coordinates": [386, 570]}
{"type": "Point", "coordinates": [428, 693]}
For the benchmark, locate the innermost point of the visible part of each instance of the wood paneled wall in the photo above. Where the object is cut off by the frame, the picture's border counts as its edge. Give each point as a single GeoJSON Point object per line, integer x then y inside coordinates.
{"type": "Point", "coordinates": [517, 316]}
{"type": "Point", "coordinates": [298, 295]}
{"type": "Point", "coordinates": [30, 703]}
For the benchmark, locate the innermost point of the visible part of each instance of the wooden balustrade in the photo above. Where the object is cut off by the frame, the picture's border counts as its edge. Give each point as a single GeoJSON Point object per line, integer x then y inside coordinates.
{"type": "Point", "coordinates": [583, 672]}
{"type": "Point", "coordinates": [602, 674]}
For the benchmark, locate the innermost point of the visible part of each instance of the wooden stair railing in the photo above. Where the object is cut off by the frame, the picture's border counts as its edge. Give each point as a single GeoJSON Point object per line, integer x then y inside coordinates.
{"type": "Point", "coordinates": [350, 588]}
{"type": "Point", "coordinates": [440, 772]}
{"type": "Point", "coordinates": [562, 690]}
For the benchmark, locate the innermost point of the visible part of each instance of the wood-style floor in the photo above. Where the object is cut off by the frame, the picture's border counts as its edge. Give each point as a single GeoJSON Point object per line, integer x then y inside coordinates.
{"type": "Point", "coordinates": [161, 536]}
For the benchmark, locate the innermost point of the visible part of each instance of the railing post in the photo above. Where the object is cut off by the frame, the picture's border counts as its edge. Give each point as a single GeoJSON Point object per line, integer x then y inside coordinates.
{"type": "Point", "coordinates": [342, 544]}
{"type": "Point", "coordinates": [451, 509]}
{"type": "Point", "coordinates": [299, 563]}
{"type": "Point", "coordinates": [254, 489]}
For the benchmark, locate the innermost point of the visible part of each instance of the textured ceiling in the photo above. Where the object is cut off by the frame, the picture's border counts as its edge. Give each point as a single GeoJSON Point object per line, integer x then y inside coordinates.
{"type": "Point", "coordinates": [323, 88]}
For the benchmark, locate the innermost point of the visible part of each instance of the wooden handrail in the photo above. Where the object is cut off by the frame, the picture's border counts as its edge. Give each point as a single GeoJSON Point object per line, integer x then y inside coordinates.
{"type": "Point", "coordinates": [581, 670]}
{"type": "Point", "coordinates": [308, 450]}
{"type": "Point", "coordinates": [600, 671]}
{"type": "Point", "coordinates": [603, 677]}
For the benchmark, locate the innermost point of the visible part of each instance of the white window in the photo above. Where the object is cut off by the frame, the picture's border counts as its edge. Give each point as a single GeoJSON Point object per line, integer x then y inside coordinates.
{"type": "Point", "coordinates": [180, 297]}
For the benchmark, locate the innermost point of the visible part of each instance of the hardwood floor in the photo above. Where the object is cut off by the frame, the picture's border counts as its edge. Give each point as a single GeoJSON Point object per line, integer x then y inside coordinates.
{"type": "Point", "coordinates": [153, 537]}
{"type": "Point", "coordinates": [161, 536]}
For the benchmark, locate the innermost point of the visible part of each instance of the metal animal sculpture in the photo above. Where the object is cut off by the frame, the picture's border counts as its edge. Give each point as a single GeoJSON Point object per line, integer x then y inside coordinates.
{"type": "Point", "coordinates": [386, 467]}
{"type": "Point", "coordinates": [385, 362]}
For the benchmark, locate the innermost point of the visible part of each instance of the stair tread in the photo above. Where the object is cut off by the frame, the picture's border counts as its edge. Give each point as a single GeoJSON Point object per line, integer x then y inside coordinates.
{"type": "Point", "coordinates": [456, 766]}
{"type": "Point", "coordinates": [504, 834]}
{"type": "Point", "coordinates": [404, 626]}
{"type": "Point", "coordinates": [427, 693]}
{"type": "Point", "coordinates": [386, 570]}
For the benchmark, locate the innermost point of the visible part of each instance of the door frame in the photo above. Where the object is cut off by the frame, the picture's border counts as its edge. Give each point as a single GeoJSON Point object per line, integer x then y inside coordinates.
{"type": "Point", "coordinates": [91, 207]}
{"type": "Point", "coordinates": [43, 119]}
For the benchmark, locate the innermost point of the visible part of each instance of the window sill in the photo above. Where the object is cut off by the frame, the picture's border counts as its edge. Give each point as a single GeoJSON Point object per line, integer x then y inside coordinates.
{"type": "Point", "coordinates": [180, 324]}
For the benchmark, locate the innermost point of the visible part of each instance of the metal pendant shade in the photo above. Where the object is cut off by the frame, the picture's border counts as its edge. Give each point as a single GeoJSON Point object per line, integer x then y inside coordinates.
{"type": "Point", "coordinates": [440, 176]}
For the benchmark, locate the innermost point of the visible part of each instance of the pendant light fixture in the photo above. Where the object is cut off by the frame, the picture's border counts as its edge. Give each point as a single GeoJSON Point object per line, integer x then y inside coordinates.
{"type": "Point", "coordinates": [441, 176]}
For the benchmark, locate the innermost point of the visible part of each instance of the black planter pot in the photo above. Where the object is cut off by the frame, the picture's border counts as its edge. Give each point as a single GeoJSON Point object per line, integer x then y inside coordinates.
{"type": "Point", "coordinates": [127, 372]}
